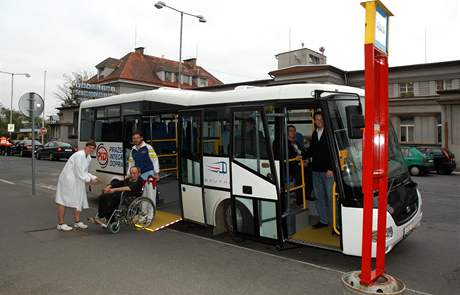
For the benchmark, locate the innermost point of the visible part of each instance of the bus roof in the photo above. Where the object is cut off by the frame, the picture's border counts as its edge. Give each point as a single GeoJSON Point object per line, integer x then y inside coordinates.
{"type": "Point", "coordinates": [189, 98]}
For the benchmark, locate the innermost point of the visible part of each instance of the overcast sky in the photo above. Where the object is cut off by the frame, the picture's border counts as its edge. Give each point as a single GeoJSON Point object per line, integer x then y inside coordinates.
{"type": "Point", "coordinates": [238, 43]}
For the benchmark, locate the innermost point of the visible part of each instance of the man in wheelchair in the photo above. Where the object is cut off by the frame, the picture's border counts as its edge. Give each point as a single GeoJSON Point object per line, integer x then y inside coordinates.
{"type": "Point", "coordinates": [109, 200]}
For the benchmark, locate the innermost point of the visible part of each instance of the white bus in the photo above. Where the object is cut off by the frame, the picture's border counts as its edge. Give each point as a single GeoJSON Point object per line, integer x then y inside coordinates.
{"type": "Point", "coordinates": [244, 184]}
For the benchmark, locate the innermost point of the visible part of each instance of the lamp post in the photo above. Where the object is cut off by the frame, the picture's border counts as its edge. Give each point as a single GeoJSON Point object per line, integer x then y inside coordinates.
{"type": "Point", "coordinates": [201, 19]}
{"type": "Point", "coordinates": [12, 87]}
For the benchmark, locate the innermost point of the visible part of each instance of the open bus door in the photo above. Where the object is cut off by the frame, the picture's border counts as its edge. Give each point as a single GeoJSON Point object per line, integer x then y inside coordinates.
{"type": "Point", "coordinates": [344, 120]}
{"type": "Point", "coordinates": [191, 162]}
{"type": "Point", "coordinates": [254, 178]}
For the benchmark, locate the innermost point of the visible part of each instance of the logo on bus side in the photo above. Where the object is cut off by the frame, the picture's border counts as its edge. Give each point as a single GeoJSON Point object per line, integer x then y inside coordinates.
{"type": "Point", "coordinates": [102, 155]}
{"type": "Point", "coordinates": [218, 167]}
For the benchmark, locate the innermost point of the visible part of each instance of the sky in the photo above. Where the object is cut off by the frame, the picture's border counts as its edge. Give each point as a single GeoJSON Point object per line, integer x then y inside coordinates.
{"type": "Point", "coordinates": [238, 42]}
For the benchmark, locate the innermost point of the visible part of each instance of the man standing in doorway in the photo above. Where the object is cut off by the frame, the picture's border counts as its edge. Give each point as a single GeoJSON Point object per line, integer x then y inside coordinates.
{"type": "Point", "coordinates": [322, 166]}
{"type": "Point", "coordinates": [143, 155]}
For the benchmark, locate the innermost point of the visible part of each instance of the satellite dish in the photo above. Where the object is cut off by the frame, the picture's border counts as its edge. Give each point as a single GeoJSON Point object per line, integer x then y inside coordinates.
{"type": "Point", "coordinates": [31, 101]}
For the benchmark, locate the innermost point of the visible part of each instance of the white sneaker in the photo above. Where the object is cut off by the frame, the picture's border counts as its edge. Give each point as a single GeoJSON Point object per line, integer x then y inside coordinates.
{"type": "Point", "coordinates": [64, 227]}
{"type": "Point", "coordinates": [80, 225]}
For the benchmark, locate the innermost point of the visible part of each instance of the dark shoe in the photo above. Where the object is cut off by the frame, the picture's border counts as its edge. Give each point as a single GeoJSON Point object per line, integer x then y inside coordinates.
{"type": "Point", "coordinates": [320, 225]}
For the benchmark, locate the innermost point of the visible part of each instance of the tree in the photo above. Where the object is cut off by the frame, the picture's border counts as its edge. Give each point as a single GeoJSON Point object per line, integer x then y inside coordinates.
{"type": "Point", "coordinates": [18, 120]}
{"type": "Point", "coordinates": [65, 92]}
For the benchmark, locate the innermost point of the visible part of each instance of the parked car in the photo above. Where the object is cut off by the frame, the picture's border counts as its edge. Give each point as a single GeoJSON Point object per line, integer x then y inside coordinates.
{"type": "Point", "coordinates": [23, 148]}
{"type": "Point", "coordinates": [417, 162]}
{"type": "Point", "coordinates": [55, 150]}
{"type": "Point", "coordinates": [444, 160]}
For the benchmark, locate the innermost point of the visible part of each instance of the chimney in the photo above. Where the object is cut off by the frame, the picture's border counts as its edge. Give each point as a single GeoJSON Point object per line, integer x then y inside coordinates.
{"type": "Point", "coordinates": [191, 61]}
{"type": "Point", "coordinates": [139, 50]}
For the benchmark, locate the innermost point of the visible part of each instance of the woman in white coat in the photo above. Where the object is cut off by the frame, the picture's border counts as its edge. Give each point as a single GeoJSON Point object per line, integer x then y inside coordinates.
{"type": "Point", "coordinates": [71, 188]}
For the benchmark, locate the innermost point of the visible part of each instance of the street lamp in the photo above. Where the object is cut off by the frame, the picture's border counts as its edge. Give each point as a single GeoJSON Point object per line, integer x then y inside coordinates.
{"type": "Point", "coordinates": [201, 19]}
{"type": "Point", "coordinates": [12, 83]}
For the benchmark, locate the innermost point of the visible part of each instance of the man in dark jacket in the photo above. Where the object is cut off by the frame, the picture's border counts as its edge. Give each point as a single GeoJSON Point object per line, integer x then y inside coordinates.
{"type": "Point", "coordinates": [322, 166]}
{"type": "Point", "coordinates": [111, 195]}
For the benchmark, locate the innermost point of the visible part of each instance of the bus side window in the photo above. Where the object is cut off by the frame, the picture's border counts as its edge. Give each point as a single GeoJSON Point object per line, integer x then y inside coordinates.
{"type": "Point", "coordinates": [86, 125]}
{"type": "Point", "coordinates": [108, 124]}
{"type": "Point", "coordinates": [216, 132]}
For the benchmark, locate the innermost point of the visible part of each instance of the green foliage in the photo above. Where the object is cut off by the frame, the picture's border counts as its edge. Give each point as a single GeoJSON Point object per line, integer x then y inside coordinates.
{"type": "Point", "coordinates": [19, 121]}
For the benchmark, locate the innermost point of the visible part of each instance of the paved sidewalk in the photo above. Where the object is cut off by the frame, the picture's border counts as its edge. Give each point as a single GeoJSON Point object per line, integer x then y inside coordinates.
{"type": "Point", "coordinates": [37, 259]}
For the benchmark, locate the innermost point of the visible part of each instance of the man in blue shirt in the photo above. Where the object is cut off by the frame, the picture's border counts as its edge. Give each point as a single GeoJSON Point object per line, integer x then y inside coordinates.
{"type": "Point", "coordinates": [143, 155]}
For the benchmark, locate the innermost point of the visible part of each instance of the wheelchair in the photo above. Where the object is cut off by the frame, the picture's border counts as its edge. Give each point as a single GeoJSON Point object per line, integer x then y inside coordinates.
{"type": "Point", "coordinates": [139, 214]}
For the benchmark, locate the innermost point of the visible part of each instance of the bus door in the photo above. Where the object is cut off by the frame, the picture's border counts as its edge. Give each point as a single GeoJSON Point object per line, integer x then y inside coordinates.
{"type": "Point", "coordinates": [254, 188]}
{"type": "Point", "coordinates": [344, 120]}
{"type": "Point", "coordinates": [191, 161]}
{"type": "Point", "coordinates": [130, 124]}
{"type": "Point", "coordinates": [296, 184]}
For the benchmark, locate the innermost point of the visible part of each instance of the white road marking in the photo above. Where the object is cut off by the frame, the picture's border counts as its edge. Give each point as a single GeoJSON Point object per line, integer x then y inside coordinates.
{"type": "Point", "coordinates": [45, 186]}
{"type": "Point", "coordinates": [6, 181]}
{"type": "Point", "coordinates": [50, 187]}
{"type": "Point", "coordinates": [278, 257]}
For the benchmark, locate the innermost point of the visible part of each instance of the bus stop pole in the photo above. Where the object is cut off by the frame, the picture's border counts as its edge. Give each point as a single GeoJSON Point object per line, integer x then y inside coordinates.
{"type": "Point", "coordinates": [375, 159]}
{"type": "Point", "coordinates": [32, 117]}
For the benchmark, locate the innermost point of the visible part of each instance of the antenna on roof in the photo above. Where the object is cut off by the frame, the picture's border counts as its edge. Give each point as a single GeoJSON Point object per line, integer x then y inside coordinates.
{"type": "Point", "coordinates": [135, 36]}
{"type": "Point", "coordinates": [425, 46]}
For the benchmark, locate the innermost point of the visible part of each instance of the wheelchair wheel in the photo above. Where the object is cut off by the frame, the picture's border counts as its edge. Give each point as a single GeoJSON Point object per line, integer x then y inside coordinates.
{"type": "Point", "coordinates": [141, 213]}
{"type": "Point", "coordinates": [114, 227]}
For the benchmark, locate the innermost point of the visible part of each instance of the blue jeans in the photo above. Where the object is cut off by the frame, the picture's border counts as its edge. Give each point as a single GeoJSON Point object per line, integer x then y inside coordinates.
{"type": "Point", "coordinates": [146, 174]}
{"type": "Point", "coordinates": [322, 187]}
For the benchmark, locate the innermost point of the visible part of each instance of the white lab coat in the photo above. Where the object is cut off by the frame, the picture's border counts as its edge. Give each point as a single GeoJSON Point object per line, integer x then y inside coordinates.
{"type": "Point", "coordinates": [71, 188]}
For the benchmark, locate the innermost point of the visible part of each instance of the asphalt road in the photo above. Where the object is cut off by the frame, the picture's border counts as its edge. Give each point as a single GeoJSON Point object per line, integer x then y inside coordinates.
{"type": "Point", "coordinates": [187, 259]}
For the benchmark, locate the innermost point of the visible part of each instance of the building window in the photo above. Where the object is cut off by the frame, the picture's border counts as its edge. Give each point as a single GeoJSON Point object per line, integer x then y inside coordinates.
{"type": "Point", "coordinates": [161, 75]}
{"type": "Point", "coordinates": [443, 85]}
{"type": "Point", "coordinates": [406, 89]}
{"type": "Point", "coordinates": [72, 132]}
{"type": "Point", "coordinates": [169, 77]}
{"type": "Point", "coordinates": [439, 128]}
{"type": "Point", "coordinates": [186, 79]}
{"type": "Point", "coordinates": [202, 82]}
{"type": "Point", "coordinates": [407, 129]}
{"type": "Point", "coordinates": [314, 59]}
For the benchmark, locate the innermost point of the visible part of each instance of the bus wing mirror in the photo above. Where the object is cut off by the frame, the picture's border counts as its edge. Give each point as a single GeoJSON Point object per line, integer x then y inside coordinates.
{"type": "Point", "coordinates": [355, 121]}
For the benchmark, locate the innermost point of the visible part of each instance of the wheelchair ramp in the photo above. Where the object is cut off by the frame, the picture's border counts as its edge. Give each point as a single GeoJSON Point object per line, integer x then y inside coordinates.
{"type": "Point", "coordinates": [163, 219]}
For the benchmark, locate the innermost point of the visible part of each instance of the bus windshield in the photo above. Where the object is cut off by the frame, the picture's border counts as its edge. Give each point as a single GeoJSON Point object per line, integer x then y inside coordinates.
{"type": "Point", "coordinates": [350, 150]}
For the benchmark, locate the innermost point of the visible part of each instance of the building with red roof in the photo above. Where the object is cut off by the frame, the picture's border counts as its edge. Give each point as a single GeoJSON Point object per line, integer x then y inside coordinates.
{"type": "Point", "coordinates": [137, 71]}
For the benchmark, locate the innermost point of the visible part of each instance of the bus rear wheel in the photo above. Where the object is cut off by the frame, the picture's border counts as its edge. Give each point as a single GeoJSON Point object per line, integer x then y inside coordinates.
{"type": "Point", "coordinates": [244, 220]}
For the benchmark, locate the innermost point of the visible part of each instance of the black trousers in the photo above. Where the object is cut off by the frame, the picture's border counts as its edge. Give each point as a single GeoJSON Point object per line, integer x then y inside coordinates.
{"type": "Point", "coordinates": [107, 204]}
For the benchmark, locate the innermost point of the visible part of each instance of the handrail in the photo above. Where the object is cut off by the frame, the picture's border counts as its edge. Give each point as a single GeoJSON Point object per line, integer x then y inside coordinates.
{"type": "Point", "coordinates": [175, 140]}
{"type": "Point", "coordinates": [334, 209]}
{"type": "Point", "coordinates": [302, 186]}
{"type": "Point", "coordinates": [167, 155]}
{"type": "Point", "coordinates": [162, 140]}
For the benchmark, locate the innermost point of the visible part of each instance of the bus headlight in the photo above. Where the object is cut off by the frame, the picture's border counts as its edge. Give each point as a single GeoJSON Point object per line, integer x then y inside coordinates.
{"type": "Point", "coordinates": [388, 234]}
